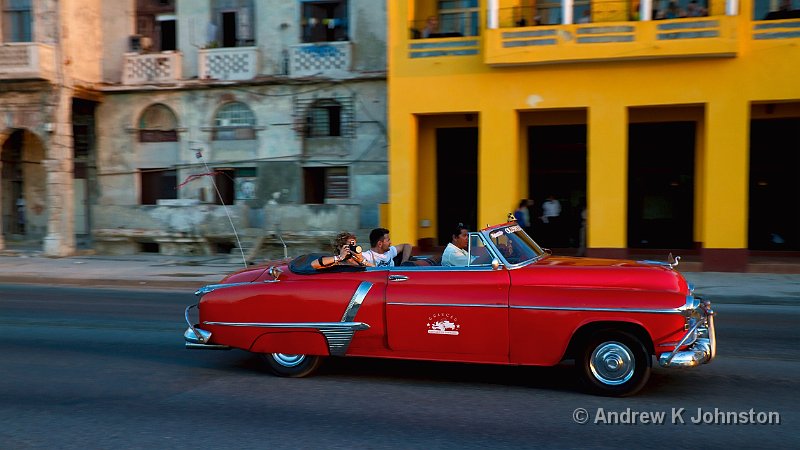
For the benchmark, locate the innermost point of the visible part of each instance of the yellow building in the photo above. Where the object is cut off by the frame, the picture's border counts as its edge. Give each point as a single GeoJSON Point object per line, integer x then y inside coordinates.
{"type": "Point", "coordinates": [678, 134]}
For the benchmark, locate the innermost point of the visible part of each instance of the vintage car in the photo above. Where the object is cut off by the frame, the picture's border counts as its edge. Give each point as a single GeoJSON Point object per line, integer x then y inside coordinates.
{"type": "Point", "coordinates": [513, 304]}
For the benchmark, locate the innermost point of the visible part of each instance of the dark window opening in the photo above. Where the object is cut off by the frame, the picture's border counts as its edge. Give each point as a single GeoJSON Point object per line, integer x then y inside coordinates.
{"type": "Point", "coordinates": [224, 179]}
{"type": "Point", "coordinates": [229, 29]}
{"type": "Point", "coordinates": [557, 161]}
{"type": "Point", "coordinates": [456, 180]}
{"type": "Point", "coordinates": [167, 35]}
{"type": "Point", "coordinates": [223, 248]}
{"type": "Point", "coordinates": [324, 21]}
{"type": "Point", "coordinates": [156, 25]}
{"type": "Point", "coordinates": [774, 217]}
{"type": "Point", "coordinates": [323, 183]}
{"type": "Point", "coordinates": [158, 184]}
{"type": "Point", "coordinates": [661, 185]}
{"type": "Point", "coordinates": [149, 247]}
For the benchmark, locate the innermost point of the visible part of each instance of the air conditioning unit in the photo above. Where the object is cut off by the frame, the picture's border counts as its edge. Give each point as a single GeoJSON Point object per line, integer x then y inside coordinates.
{"type": "Point", "coordinates": [135, 43]}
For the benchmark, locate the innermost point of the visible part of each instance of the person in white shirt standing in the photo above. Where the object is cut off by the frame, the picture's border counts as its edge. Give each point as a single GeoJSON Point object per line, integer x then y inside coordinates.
{"type": "Point", "coordinates": [382, 252]}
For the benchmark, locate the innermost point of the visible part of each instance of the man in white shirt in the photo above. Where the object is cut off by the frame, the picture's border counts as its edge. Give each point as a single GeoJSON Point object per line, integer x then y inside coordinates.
{"type": "Point", "coordinates": [455, 254]}
{"type": "Point", "coordinates": [382, 252]}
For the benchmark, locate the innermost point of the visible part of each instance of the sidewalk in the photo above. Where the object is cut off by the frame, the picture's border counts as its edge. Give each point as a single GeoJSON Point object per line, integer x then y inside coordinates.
{"type": "Point", "coordinates": [187, 273]}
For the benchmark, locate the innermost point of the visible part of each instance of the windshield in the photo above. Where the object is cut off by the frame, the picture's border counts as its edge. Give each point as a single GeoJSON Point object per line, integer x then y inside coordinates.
{"type": "Point", "coordinates": [513, 244]}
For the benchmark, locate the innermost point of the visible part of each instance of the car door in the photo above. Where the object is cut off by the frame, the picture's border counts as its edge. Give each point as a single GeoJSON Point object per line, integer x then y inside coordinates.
{"type": "Point", "coordinates": [449, 313]}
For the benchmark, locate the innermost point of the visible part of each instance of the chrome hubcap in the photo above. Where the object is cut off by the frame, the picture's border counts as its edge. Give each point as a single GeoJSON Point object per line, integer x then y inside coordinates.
{"type": "Point", "coordinates": [612, 363]}
{"type": "Point", "coordinates": [288, 360]}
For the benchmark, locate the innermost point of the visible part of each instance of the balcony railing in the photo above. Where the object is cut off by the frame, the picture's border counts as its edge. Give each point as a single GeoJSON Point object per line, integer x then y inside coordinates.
{"type": "Point", "coordinates": [27, 60]}
{"type": "Point", "coordinates": [230, 63]}
{"type": "Point", "coordinates": [146, 68]}
{"type": "Point", "coordinates": [320, 58]}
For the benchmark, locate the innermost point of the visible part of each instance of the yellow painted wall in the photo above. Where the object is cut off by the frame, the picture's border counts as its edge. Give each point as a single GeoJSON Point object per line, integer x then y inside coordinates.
{"type": "Point", "coordinates": [718, 93]}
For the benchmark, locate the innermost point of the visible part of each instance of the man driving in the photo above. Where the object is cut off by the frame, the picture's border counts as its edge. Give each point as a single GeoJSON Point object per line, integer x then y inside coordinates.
{"type": "Point", "coordinates": [456, 254]}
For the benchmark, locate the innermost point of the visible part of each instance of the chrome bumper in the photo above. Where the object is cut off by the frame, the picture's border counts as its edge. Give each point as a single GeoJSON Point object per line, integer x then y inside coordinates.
{"type": "Point", "coordinates": [196, 338]}
{"type": "Point", "coordinates": [704, 346]}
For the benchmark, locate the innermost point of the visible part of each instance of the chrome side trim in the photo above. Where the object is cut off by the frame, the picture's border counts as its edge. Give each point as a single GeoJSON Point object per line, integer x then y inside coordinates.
{"type": "Point", "coordinates": [356, 301]}
{"type": "Point", "coordinates": [446, 305]}
{"type": "Point", "coordinates": [338, 334]}
{"type": "Point", "coordinates": [627, 310]}
{"type": "Point", "coordinates": [356, 326]}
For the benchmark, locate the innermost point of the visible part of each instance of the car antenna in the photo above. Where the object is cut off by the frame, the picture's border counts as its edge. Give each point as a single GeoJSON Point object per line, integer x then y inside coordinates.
{"type": "Point", "coordinates": [199, 155]}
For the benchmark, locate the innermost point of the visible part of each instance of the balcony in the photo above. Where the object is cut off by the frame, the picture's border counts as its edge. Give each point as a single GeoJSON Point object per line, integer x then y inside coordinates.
{"type": "Point", "coordinates": [320, 58]}
{"type": "Point", "coordinates": [229, 64]}
{"type": "Point", "coordinates": [148, 68]}
{"type": "Point", "coordinates": [27, 61]}
{"type": "Point", "coordinates": [556, 31]}
{"type": "Point", "coordinates": [612, 41]}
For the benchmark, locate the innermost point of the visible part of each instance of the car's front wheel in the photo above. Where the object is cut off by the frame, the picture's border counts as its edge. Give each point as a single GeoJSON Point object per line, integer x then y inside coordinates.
{"type": "Point", "coordinates": [613, 363]}
{"type": "Point", "coordinates": [295, 366]}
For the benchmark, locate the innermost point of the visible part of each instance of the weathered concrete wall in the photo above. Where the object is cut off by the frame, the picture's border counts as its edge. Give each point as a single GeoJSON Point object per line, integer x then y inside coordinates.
{"type": "Point", "coordinates": [193, 19]}
{"type": "Point", "coordinates": [368, 30]}
{"type": "Point", "coordinates": [198, 228]}
{"type": "Point", "coordinates": [118, 22]}
{"type": "Point", "coordinates": [277, 143]}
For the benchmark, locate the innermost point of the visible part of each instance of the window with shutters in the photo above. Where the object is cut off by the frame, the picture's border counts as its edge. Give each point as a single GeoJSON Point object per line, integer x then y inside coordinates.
{"type": "Point", "coordinates": [234, 121]}
{"type": "Point", "coordinates": [326, 183]}
{"type": "Point", "coordinates": [324, 119]}
{"type": "Point", "coordinates": [17, 21]}
{"type": "Point", "coordinates": [158, 124]}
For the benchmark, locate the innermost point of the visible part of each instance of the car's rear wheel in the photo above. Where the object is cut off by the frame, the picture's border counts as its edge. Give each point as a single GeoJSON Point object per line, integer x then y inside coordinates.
{"type": "Point", "coordinates": [288, 365]}
{"type": "Point", "coordinates": [613, 363]}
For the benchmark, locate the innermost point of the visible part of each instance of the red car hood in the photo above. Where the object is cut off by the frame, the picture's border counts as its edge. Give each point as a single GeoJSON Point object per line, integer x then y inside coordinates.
{"type": "Point", "coordinates": [604, 273]}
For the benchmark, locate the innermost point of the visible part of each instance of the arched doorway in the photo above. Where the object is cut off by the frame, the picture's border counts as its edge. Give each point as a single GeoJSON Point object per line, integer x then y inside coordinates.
{"type": "Point", "coordinates": [23, 191]}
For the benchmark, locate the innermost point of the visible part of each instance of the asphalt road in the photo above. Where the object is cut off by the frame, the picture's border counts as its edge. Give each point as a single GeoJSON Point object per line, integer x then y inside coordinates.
{"type": "Point", "coordinates": [88, 368]}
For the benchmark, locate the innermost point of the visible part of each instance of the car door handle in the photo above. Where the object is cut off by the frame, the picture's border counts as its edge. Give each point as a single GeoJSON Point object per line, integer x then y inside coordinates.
{"type": "Point", "coordinates": [398, 278]}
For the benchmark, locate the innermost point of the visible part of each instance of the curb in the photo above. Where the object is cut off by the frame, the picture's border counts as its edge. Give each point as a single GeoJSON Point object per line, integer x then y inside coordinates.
{"type": "Point", "coordinates": [182, 285]}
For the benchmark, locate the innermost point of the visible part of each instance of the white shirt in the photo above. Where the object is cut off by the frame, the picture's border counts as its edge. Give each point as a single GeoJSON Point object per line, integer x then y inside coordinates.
{"type": "Point", "coordinates": [454, 256]}
{"type": "Point", "coordinates": [551, 208]}
{"type": "Point", "coordinates": [381, 260]}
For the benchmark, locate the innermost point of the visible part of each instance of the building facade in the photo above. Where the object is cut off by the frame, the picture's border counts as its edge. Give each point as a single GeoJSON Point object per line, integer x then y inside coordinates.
{"type": "Point", "coordinates": [669, 127]}
{"type": "Point", "coordinates": [223, 125]}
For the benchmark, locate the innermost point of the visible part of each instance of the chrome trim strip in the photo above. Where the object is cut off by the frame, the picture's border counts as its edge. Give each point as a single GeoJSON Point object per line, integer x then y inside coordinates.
{"type": "Point", "coordinates": [628, 310]}
{"type": "Point", "coordinates": [337, 334]}
{"type": "Point", "coordinates": [428, 269]}
{"type": "Point", "coordinates": [356, 301]}
{"type": "Point", "coordinates": [212, 287]}
{"type": "Point", "coordinates": [318, 325]}
{"type": "Point", "coordinates": [471, 305]}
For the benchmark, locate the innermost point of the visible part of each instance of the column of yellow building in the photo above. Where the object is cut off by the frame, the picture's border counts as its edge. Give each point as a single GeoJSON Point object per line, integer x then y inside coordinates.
{"type": "Point", "coordinates": [403, 177]}
{"type": "Point", "coordinates": [607, 180]}
{"type": "Point", "coordinates": [725, 180]}
{"type": "Point", "coordinates": [498, 164]}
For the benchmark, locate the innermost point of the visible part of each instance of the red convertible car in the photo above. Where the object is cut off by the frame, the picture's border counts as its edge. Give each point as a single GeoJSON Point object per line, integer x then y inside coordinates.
{"type": "Point", "coordinates": [513, 304]}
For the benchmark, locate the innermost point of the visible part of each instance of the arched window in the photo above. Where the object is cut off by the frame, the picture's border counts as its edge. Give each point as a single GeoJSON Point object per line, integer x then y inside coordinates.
{"type": "Point", "coordinates": [158, 124]}
{"type": "Point", "coordinates": [324, 119]}
{"type": "Point", "coordinates": [234, 121]}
